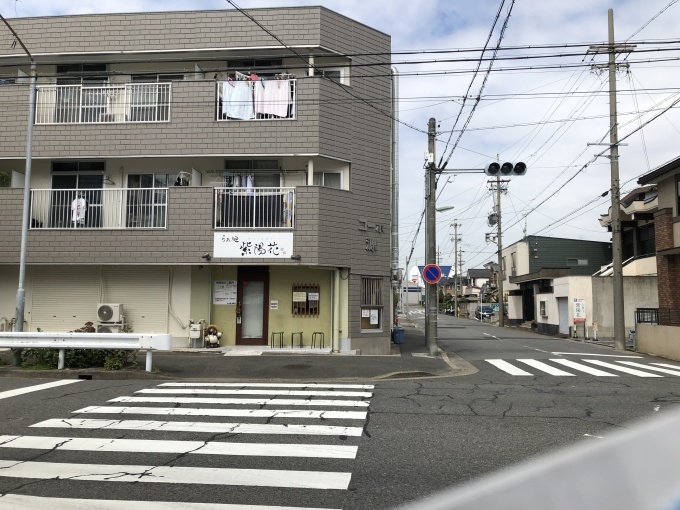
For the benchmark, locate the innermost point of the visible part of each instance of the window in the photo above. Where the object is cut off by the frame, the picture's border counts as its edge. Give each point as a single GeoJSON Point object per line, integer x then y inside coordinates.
{"type": "Point", "coordinates": [147, 198]}
{"type": "Point", "coordinates": [647, 241]}
{"type": "Point", "coordinates": [81, 104]}
{"type": "Point", "coordinates": [544, 313]}
{"type": "Point", "coordinates": [328, 179]}
{"type": "Point", "coordinates": [71, 181]}
{"type": "Point", "coordinates": [337, 74]}
{"type": "Point", "coordinates": [306, 300]}
{"type": "Point", "coordinates": [238, 170]}
{"type": "Point", "coordinates": [156, 78]}
{"type": "Point", "coordinates": [371, 304]}
{"type": "Point", "coordinates": [261, 67]}
{"type": "Point", "coordinates": [577, 262]}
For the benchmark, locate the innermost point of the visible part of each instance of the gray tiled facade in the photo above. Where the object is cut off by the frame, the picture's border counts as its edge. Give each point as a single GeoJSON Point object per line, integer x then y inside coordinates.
{"type": "Point", "coordinates": [332, 121]}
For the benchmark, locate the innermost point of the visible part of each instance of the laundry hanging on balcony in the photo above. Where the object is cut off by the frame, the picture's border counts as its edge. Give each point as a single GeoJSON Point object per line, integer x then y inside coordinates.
{"type": "Point", "coordinates": [237, 100]}
{"type": "Point", "coordinates": [272, 97]}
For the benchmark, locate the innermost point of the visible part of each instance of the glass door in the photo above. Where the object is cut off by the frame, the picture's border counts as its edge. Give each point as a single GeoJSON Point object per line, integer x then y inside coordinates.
{"type": "Point", "coordinates": [252, 306]}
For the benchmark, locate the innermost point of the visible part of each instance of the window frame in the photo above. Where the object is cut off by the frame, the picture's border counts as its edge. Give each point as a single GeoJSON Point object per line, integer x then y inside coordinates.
{"type": "Point", "coordinates": [371, 301]}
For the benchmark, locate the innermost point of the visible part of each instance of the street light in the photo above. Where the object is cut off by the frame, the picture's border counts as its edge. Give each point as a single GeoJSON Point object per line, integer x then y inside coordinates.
{"type": "Point", "coordinates": [445, 208]}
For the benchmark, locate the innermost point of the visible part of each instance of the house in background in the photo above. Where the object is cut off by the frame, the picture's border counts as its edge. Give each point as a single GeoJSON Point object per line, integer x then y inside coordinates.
{"type": "Point", "coordinates": [187, 166]}
{"type": "Point", "coordinates": [663, 337]}
{"type": "Point", "coordinates": [637, 232]}
{"type": "Point", "coordinates": [475, 281]}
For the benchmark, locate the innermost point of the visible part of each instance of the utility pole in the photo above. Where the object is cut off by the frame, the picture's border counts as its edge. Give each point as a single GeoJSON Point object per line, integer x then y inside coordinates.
{"type": "Point", "coordinates": [455, 266]}
{"type": "Point", "coordinates": [431, 296]}
{"type": "Point", "coordinates": [501, 304]}
{"type": "Point", "coordinates": [21, 293]}
{"type": "Point", "coordinates": [612, 49]}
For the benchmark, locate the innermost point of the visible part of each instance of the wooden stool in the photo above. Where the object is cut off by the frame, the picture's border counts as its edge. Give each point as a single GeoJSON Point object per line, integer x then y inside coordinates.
{"type": "Point", "coordinates": [292, 338]}
{"type": "Point", "coordinates": [320, 335]}
{"type": "Point", "coordinates": [276, 335]}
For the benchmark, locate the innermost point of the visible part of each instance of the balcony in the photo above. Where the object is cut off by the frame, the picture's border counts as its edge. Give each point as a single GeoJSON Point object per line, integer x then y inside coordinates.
{"type": "Point", "coordinates": [254, 208]}
{"type": "Point", "coordinates": [125, 103]}
{"type": "Point", "coordinates": [256, 100]}
{"type": "Point", "coordinates": [99, 209]}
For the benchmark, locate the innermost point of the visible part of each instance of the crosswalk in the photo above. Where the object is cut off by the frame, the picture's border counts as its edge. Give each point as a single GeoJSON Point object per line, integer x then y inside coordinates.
{"type": "Point", "coordinates": [555, 367]}
{"type": "Point", "coordinates": [253, 446]}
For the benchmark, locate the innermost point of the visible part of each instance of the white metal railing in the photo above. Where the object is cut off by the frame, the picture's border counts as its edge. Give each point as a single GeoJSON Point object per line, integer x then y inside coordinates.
{"type": "Point", "coordinates": [256, 100]}
{"type": "Point", "coordinates": [118, 208]}
{"type": "Point", "coordinates": [77, 104]}
{"type": "Point", "coordinates": [254, 208]}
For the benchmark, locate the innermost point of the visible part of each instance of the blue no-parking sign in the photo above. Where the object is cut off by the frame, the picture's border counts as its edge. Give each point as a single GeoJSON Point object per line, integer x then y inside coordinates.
{"type": "Point", "coordinates": [432, 273]}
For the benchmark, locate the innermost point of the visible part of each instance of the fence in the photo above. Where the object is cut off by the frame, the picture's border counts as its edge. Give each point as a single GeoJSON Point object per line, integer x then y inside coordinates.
{"type": "Point", "coordinates": [120, 208]}
{"type": "Point", "coordinates": [254, 208]}
{"type": "Point", "coordinates": [76, 104]}
{"type": "Point", "coordinates": [662, 316]}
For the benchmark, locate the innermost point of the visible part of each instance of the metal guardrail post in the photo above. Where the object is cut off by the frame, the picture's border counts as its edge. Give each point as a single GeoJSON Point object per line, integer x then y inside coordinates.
{"type": "Point", "coordinates": [62, 359]}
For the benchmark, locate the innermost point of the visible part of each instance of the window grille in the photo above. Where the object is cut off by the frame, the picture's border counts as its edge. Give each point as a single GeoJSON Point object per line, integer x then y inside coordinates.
{"type": "Point", "coordinates": [306, 300]}
{"type": "Point", "coordinates": [371, 303]}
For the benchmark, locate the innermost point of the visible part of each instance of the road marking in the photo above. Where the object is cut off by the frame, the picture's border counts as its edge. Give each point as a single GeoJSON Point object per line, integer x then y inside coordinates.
{"type": "Point", "coordinates": [250, 413]}
{"type": "Point", "coordinates": [596, 437]}
{"type": "Point", "coordinates": [17, 502]}
{"type": "Point", "coordinates": [620, 368]}
{"type": "Point", "coordinates": [583, 368]}
{"type": "Point", "coordinates": [197, 426]}
{"type": "Point", "coordinates": [492, 336]}
{"type": "Point", "coordinates": [667, 365]}
{"type": "Point", "coordinates": [179, 447]}
{"type": "Point", "coordinates": [591, 355]}
{"type": "Point", "coordinates": [655, 369]}
{"type": "Point", "coordinates": [292, 393]}
{"type": "Point", "coordinates": [37, 387]}
{"type": "Point", "coordinates": [277, 385]}
{"type": "Point", "coordinates": [179, 475]}
{"type": "Point", "coordinates": [244, 401]}
{"type": "Point", "coordinates": [507, 367]}
{"type": "Point", "coordinates": [545, 367]}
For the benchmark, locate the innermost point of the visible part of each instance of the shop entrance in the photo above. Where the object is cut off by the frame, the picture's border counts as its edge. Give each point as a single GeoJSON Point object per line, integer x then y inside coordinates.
{"type": "Point", "coordinates": [252, 305]}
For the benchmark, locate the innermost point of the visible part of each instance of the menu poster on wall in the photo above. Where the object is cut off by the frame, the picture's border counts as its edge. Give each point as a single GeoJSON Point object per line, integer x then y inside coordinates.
{"type": "Point", "coordinates": [299, 297]}
{"type": "Point", "coordinates": [313, 296]}
{"type": "Point", "coordinates": [224, 292]}
{"type": "Point", "coordinates": [374, 317]}
{"type": "Point", "coordinates": [365, 313]}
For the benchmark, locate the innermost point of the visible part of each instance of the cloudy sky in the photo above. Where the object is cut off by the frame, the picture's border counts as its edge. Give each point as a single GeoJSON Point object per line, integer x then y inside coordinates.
{"type": "Point", "coordinates": [542, 111]}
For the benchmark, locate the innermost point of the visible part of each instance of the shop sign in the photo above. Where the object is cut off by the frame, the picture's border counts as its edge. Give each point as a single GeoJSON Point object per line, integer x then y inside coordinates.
{"type": "Point", "coordinates": [253, 245]}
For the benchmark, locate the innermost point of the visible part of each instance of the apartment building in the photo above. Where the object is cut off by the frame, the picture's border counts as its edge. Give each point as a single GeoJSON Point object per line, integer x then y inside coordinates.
{"type": "Point", "coordinates": [187, 166]}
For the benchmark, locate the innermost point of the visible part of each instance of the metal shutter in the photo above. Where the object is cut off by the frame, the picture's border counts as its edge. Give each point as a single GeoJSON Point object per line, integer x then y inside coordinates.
{"type": "Point", "coordinates": [143, 291]}
{"type": "Point", "coordinates": [64, 298]}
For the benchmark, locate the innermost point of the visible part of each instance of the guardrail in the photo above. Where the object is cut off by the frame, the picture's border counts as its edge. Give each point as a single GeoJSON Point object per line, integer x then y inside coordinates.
{"type": "Point", "coordinates": [254, 208]}
{"type": "Point", "coordinates": [63, 341]}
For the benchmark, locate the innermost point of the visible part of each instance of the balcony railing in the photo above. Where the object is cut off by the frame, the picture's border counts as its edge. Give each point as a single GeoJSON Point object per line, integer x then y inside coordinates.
{"type": "Point", "coordinates": [254, 208]}
{"type": "Point", "coordinates": [99, 209]}
{"type": "Point", "coordinates": [256, 100]}
{"type": "Point", "coordinates": [77, 104]}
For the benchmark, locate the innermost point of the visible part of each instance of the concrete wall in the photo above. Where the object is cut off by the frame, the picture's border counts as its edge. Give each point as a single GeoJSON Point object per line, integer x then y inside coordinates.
{"type": "Point", "coordinates": [658, 340]}
{"type": "Point", "coordinates": [641, 267]}
{"type": "Point", "coordinates": [638, 292]}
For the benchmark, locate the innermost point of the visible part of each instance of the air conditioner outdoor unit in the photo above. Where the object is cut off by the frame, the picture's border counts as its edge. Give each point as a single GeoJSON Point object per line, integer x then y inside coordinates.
{"type": "Point", "coordinates": [110, 312]}
{"type": "Point", "coordinates": [109, 328]}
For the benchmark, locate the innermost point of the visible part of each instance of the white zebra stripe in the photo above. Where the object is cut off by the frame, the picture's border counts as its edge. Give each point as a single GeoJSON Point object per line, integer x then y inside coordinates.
{"type": "Point", "coordinates": [655, 369]}
{"type": "Point", "coordinates": [583, 368]}
{"type": "Point", "coordinates": [243, 401]}
{"type": "Point", "coordinates": [179, 447]}
{"type": "Point", "coordinates": [179, 475]}
{"type": "Point", "coordinates": [249, 413]}
{"type": "Point", "coordinates": [195, 426]}
{"type": "Point", "coordinates": [267, 385]}
{"type": "Point", "coordinates": [676, 367]}
{"type": "Point", "coordinates": [18, 502]}
{"type": "Point", "coordinates": [545, 367]}
{"type": "Point", "coordinates": [507, 367]}
{"type": "Point", "coordinates": [631, 371]}
{"type": "Point", "coordinates": [292, 393]}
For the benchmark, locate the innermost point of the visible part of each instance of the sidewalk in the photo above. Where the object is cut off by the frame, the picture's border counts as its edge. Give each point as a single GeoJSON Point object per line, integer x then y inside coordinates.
{"type": "Point", "coordinates": [409, 360]}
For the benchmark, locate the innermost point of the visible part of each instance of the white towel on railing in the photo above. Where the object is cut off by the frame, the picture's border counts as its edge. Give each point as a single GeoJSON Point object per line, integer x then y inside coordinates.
{"type": "Point", "coordinates": [237, 100]}
{"type": "Point", "coordinates": [272, 97]}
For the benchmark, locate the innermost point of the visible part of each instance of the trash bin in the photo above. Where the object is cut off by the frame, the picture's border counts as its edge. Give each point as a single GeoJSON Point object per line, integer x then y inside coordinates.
{"type": "Point", "coordinates": [398, 335]}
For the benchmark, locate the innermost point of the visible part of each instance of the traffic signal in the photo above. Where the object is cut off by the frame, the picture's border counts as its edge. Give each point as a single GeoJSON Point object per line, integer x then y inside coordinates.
{"type": "Point", "coordinates": [506, 169]}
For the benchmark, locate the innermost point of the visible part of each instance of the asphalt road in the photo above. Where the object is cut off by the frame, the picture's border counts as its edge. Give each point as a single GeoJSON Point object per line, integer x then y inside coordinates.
{"type": "Point", "coordinates": [418, 436]}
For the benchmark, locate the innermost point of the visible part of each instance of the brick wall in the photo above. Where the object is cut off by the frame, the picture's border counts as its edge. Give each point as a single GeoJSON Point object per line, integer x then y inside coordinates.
{"type": "Point", "coordinates": [668, 266]}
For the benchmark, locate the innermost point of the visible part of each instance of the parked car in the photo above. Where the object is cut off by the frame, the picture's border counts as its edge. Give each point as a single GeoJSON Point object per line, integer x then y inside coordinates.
{"type": "Point", "coordinates": [483, 312]}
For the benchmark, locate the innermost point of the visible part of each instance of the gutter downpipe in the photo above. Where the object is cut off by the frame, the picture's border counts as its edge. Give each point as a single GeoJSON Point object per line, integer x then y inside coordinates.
{"type": "Point", "coordinates": [396, 283]}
